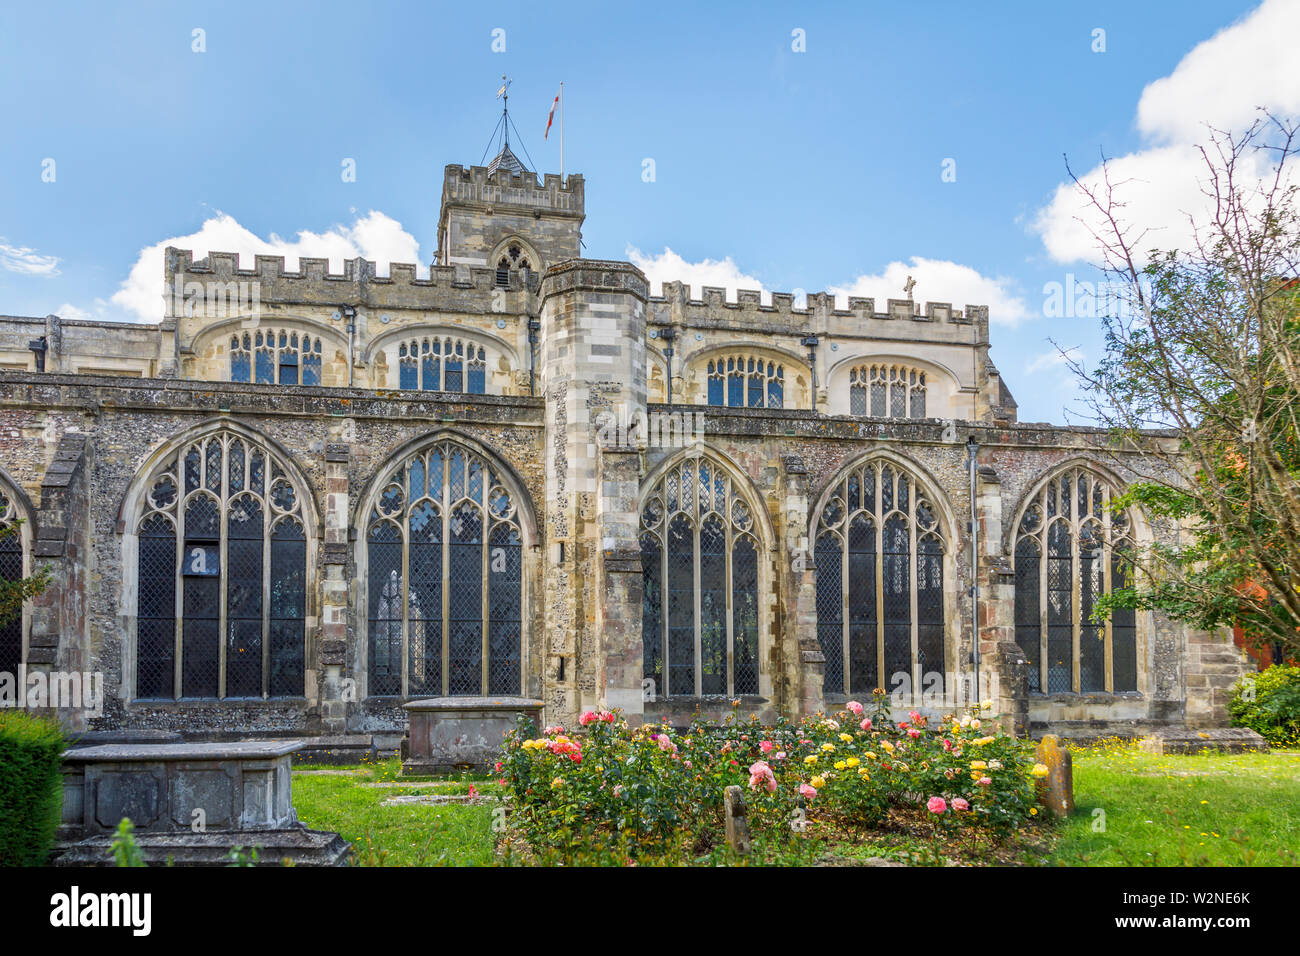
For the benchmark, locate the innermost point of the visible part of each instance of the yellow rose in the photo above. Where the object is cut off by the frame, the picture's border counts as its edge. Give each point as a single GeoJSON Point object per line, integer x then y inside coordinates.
{"type": "Point", "coordinates": [810, 759]}
{"type": "Point", "coordinates": [852, 762]}
{"type": "Point", "coordinates": [840, 765]}
{"type": "Point", "coordinates": [829, 748]}
{"type": "Point", "coordinates": [889, 748]}
{"type": "Point", "coordinates": [1039, 770]}
{"type": "Point", "coordinates": [818, 782]}
{"type": "Point", "coordinates": [847, 738]}
{"type": "Point", "coordinates": [978, 765]}
{"type": "Point", "coordinates": [869, 755]}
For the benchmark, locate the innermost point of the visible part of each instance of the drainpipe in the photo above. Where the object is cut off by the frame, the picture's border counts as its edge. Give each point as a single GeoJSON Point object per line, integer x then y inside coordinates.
{"type": "Point", "coordinates": [668, 334]}
{"type": "Point", "coordinates": [349, 314]}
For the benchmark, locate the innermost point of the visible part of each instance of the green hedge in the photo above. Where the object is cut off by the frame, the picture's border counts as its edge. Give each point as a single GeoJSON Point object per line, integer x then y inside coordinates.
{"type": "Point", "coordinates": [1274, 711]}
{"type": "Point", "coordinates": [31, 789]}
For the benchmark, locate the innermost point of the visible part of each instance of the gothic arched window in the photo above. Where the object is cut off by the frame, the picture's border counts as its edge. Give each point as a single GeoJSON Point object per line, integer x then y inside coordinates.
{"type": "Point", "coordinates": [445, 579]}
{"type": "Point", "coordinates": [745, 382]}
{"type": "Point", "coordinates": [699, 561]}
{"type": "Point", "coordinates": [1069, 552]}
{"type": "Point", "coordinates": [11, 569]}
{"type": "Point", "coordinates": [267, 357]}
{"type": "Point", "coordinates": [887, 391]}
{"type": "Point", "coordinates": [437, 364]}
{"type": "Point", "coordinates": [879, 555]}
{"type": "Point", "coordinates": [222, 575]}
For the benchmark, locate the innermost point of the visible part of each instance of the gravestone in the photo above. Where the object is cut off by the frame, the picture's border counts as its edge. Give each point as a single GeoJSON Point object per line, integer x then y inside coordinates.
{"type": "Point", "coordinates": [457, 733]}
{"type": "Point", "coordinates": [738, 837]}
{"type": "Point", "coordinates": [189, 803]}
{"type": "Point", "coordinates": [1056, 790]}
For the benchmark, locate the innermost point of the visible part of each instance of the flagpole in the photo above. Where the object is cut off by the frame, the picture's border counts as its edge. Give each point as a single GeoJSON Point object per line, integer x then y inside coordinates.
{"type": "Point", "coordinates": [561, 132]}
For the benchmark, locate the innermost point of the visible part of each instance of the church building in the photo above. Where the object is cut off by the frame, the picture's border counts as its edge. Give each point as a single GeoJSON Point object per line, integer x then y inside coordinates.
{"type": "Point", "coordinates": [304, 498]}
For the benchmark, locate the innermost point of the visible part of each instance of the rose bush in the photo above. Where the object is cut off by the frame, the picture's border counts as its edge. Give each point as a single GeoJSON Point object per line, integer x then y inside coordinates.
{"type": "Point", "coordinates": [651, 787]}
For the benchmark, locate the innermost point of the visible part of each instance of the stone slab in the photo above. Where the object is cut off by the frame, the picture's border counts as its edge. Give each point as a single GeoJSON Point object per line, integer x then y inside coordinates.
{"type": "Point", "coordinates": [234, 750]}
{"type": "Point", "coordinates": [1174, 740]}
{"type": "Point", "coordinates": [296, 844]}
{"type": "Point", "coordinates": [455, 733]}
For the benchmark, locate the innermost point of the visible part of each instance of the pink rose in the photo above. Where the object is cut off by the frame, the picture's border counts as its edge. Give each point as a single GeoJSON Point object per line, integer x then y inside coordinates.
{"type": "Point", "coordinates": [586, 718]}
{"type": "Point", "coordinates": [854, 708]}
{"type": "Point", "coordinates": [947, 744]}
{"type": "Point", "coordinates": [936, 805]}
{"type": "Point", "coordinates": [765, 746]}
{"type": "Point", "coordinates": [780, 755]}
{"type": "Point", "coordinates": [914, 717]}
{"type": "Point", "coordinates": [866, 723]}
{"type": "Point", "coordinates": [913, 733]}
{"type": "Point", "coordinates": [960, 803]}
{"type": "Point", "coordinates": [984, 781]}
{"type": "Point", "coordinates": [807, 791]}
{"type": "Point", "coordinates": [760, 775]}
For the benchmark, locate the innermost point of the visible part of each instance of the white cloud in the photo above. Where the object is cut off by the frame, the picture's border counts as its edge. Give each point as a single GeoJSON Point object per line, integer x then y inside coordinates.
{"type": "Point", "coordinates": [938, 280]}
{"type": "Point", "coordinates": [374, 236]}
{"type": "Point", "coordinates": [1222, 81]}
{"type": "Point", "coordinates": [27, 261]}
{"type": "Point", "coordinates": [1053, 359]}
{"type": "Point", "coordinates": [670, 267]}
{"type": "Point", "coordinates": [70, 311]}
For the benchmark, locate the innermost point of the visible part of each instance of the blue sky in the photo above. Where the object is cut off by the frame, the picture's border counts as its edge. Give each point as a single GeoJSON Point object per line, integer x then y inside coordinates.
{"type": "Point", "coordinates": [805, 170]}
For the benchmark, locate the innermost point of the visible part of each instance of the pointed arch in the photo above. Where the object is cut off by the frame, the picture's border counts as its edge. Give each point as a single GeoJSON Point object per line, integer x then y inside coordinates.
{"type": "Point", "coordinates": [703, 533]}
{"type": "Point", "coordinates": [219, 531]}
{"type": "Point", "coordinates": [15, 564]}
{"type": "Point", "coordinates": [883, 538]}
{"type": "Point", "coordinates": [445, 549]}
{"type": "Point", "coordinates": [1069, 549]}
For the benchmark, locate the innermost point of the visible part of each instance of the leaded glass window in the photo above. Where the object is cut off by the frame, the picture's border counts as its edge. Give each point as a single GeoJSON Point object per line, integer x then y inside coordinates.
{"type": "Point", "coordinates": [221, 575]}
{"type": "Point", "coordinates": [11, 569]}
{"type": "Point", "coordinates": [442, 365]}
{"type": "Point", "coordinates": [887, 391]}
{"type": "Point", "coordinates": [1070, 551]}
{"type": "Point", "coordinates": [445, 579]}
{"type": "Point", "coordinates": [879, 555]}
{"type": "Point", "coordinates": [270, 356]}
{"type": "Point", "coordinates": [700, 570]}
{"type": "Point", "coordinates": [745, 382]}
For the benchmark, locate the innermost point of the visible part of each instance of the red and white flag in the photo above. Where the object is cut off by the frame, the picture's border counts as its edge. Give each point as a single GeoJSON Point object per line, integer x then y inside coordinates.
{"type": "Point", "coordinates": [551, 116]}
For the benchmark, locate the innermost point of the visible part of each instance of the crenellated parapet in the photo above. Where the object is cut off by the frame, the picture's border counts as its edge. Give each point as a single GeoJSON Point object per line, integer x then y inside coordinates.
{"type": "Point", "coordinates": [930, 321]}
{"type": "Point", "coordinates": [475, 185]}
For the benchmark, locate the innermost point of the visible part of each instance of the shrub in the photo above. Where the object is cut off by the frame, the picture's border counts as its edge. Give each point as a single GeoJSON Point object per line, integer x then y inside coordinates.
{"type": "Point", "coordinates": [31, 789]}
{"type": "Point", "coordinates": [654, 790]}
{"type": "Point", "coordinates": [1269, 704]}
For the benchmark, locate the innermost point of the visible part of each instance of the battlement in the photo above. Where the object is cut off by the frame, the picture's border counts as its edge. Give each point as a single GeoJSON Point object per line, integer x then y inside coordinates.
{"type": "Point", "coordinates": [477, 186]}
{"type": "Point", "coordinates": [819, 313]}
{"type": "Point", "coordinates": [313, 280]}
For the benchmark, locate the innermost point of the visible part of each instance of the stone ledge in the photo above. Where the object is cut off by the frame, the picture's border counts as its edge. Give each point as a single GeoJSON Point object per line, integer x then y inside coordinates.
{"type": "Point", "coordinates": [1176, 740]}
{"type": "Point", "coordinates": [301, 846]}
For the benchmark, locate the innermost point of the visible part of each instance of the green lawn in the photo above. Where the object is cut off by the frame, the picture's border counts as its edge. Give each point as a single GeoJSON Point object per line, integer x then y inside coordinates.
{"type": "Point", "coordinates": [411, 835]}
{"type": "Point", "coordinates": [1204, 810]}
{"type": "Point", "coordinates": [1208, 810]}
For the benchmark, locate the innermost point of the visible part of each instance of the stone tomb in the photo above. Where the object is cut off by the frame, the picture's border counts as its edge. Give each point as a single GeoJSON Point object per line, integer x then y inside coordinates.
{"type": "Point", "coordinates": [458, 733]}
{"type": "Point", "coordinates": [190, 803]}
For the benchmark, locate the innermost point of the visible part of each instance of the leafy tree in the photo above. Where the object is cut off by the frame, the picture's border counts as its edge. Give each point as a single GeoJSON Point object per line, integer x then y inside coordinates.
{"type": "Point", "coordinates": [1202, 345]}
